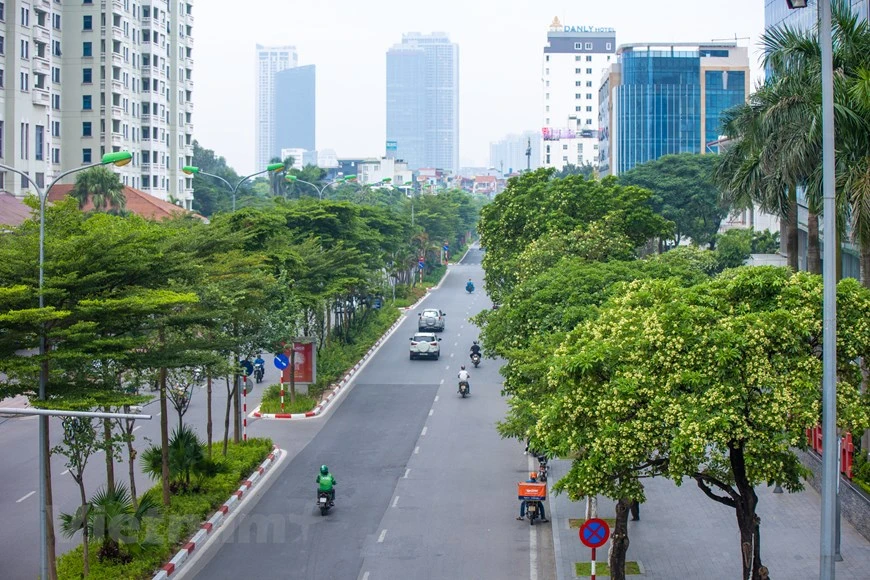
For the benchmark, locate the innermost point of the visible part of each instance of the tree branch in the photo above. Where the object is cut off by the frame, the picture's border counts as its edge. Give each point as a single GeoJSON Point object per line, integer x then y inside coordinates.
{"type": "Point", "coordinates": [729, 501]}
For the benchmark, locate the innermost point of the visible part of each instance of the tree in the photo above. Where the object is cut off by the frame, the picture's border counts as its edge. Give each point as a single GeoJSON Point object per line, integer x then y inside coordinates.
{"type": "Point", "coordinates": [684, 192]}
{"type": "Point", "coordinates": [210, 196]}
{"type": "Point", "coordinates": [102, 187]}
{"type": "Point", "coordinates": [717, 383]}
{"type": "Point", "coordinates": [733, 248]}
{"type": "Point", "coordinates": [586, 170]}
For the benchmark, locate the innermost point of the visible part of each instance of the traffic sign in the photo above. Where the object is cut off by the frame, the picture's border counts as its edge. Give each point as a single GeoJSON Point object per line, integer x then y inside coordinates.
{"type": "Point", "coordinates": [446, 247]}
{"type": "Point", "coordinates": [421, 264]}
{"type": "Point", "coordinates": [246, 364]}
{"type": "Point", "coordinates": [281, 361]}
{"type": "Point", "coordinates": [594, 533]}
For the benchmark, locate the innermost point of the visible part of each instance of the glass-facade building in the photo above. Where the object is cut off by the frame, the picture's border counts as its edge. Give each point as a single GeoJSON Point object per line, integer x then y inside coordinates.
{"type": "Point", "coordinates": [669, 98]}
{"type": "Point", "coordinates": [294, 109]}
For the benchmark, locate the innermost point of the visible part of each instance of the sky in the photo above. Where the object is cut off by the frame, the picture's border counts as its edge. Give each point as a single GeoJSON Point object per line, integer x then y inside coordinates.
{"type": "Point", "coordinates": [500, 53]}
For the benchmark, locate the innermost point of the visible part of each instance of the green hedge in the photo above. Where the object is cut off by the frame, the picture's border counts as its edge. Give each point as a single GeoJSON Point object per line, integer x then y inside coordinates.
{"type": "Point", "coordinates": [160, 537]}
{"type": "Point", "coordinates": [271, 402]}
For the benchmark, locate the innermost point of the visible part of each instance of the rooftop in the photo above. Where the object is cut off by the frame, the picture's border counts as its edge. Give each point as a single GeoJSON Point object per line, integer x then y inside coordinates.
{"type": "Point", "coordinates": [138, 202]}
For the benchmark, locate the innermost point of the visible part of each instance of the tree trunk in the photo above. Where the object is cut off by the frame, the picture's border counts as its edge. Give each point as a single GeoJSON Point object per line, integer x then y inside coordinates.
{"type": "Point", "coordinates": [49, 509]}
{"type": "Point", "coordinates": [747, 520]}
{"type": "Point", "coordinates": [814, 253]}
{"type": "Point", "coordinates": [227, 416]}
{"type": "Point", "coordinates": [164, 438]}
{"type": "Point", "coordinates": [86, 565]}
{"type": "Point", "coordinates": [237, 427]}
{"type": "Point", "coordinates": [208, 421]}
{"type": "Point", "coordinates": [292, 372]}
{"type": "Point", "coordinates": [110, 453]}
{"type": "Point", "coordinates": [619, 541]}
{"type": "Point", "coordinates": [791, 246]}
{"type": "Point", "coordinates": [864, 260]}
{"type": "Point", "coordinates": [591, 507]}
{"type": "Point", "coordinates": [131, 457]}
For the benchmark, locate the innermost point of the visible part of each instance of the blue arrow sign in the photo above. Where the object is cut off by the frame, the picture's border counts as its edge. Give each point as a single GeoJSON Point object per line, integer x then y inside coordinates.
{"type": "Point", "coordinates": [281, 361]}
{"type": "Point", "coordinates": [420, 264]}
{"type": "Point", "coordinates": [246, 364]}
{"type": "Point", "coordinates": [446, 247]}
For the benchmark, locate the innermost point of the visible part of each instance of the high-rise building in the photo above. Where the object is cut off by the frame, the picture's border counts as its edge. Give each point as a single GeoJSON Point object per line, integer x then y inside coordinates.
{"type": "Point", "coordinates": [509, 155]}
{"type": "Point", "coordinates": [663, 98]}
{"type": "Point", "coordinates": [270, 61]}
{"type": "Point", "coordinates": [423, 101]}
{"type": "Point", "coordinates": [574, 57]}
{"type": "Point", "coordinates": [126, 70]}
{"type": "Point", "coordinates": [294, 102]}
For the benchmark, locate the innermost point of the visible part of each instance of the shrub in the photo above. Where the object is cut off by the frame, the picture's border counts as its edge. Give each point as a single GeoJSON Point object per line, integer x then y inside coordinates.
{"type": "Point", "coordinates": [271, 402]}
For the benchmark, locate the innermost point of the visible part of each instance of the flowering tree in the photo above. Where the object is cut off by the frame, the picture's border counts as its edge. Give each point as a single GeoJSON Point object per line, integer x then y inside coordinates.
{"type": "Point", "coordinates": [717, 382]}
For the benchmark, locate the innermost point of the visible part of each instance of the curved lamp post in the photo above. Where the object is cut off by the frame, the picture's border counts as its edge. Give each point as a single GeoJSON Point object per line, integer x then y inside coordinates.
{"type": "Point", "coordinates": [117, 158]}
{"type": "Point", "coordinates": [320, 190]}
{"type": "Point", "coordinates": [193, 170]}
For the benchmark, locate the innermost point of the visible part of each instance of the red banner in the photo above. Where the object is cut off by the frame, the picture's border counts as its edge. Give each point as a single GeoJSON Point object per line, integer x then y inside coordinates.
{"type": "Point", "coordinates": [304, 363]}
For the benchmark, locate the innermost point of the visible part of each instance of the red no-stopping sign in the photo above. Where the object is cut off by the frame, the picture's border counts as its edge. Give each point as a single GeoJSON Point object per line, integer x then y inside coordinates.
{"type": "Point", "coordinates": [594, 533]}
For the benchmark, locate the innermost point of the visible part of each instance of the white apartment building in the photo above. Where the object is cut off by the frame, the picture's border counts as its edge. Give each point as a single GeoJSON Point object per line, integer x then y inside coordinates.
{"type": "Point", "coordinates": [81, 80]}
{"type": "Point", "coordinates": [571, 71]}
{"type": "Point", "coordinates": [374, 171]}
{"type": "Point", "coordinates": [270, 60]}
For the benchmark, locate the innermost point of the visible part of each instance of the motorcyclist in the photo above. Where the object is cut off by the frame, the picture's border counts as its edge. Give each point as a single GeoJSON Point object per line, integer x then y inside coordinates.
{"type": "Point", "coordinates": [469, 286]}
{"type": "Point", "coordinates": [464, 376]}
{"type": "Point", "coordinates": [326, 482]}
{"type": "Point", "coordinates": [259, 361]}
{"type": "Point", "coordinates": [533, 478]}
{"type": "Point", "coordinates": [475, 349]}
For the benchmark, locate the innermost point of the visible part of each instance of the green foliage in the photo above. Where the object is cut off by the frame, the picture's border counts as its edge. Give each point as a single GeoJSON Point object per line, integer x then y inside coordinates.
{"type": "Point", "coordinates": [186, 457]}
{"type": "Point", "coordinates": [271, 402]}
{"type": "Point", "coordinates": [765, 242]}
{"type": "Point", "coordinates": [733, 248]}
{"type": "Point", "coordinates": [210, 195]}
{"type": "Point", "coordinates": [684, 192]}
{"type": "Point", "coordinates": [102, 187]}
{"type": "Point", "coordinates": [160, 536]}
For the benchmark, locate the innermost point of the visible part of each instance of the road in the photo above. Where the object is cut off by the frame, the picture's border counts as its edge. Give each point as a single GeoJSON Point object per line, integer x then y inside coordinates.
{"type": "Point", "coordinates": [19, 495]}
{"type": "Point", "coordinates": [426, 487]}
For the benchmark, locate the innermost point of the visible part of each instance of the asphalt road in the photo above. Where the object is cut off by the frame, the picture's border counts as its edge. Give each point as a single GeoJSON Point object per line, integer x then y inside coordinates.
{"type": "Point", "coordinates": [426, 487]}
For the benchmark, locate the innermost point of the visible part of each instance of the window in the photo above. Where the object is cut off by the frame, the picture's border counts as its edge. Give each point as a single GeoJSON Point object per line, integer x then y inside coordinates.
{"type": "Point", "coordinates": [39, 143]}
{"type": "Point", "coordinates": [577, 108]}
{"type": "Point", "coordinates": [55, 47]}
{"type": "Point", "coordinates": [87, 1]}
{"type": "Point", "coordinates": [86, 156]}
{"type": "Point", "coordinates": [55, 128]}
{"type": "Point", "coordinates": [565, 147]}
{"type": "Point", "coordinates": [25, 141]}
{"type": "Point", "coordinates": [55, 102]}
{"type": "Point", "coordinates": [588, 109]}
{"type": "Point", "coordinates": [2, 11]}
{"type": "Point", "coordinates": [578, 70]}
{"type": "Point", "coordinates": [87, 49]}
{"type": "Point", "coordinates": [588, 46]}
{"type": "Point", "coordinates": [578, 96]}
{"type": "Point", "coordinates": [1, 139]}
{"type": "Point", "coordinates": [547, 58]}
{"type": "Point", "coordinates": [588, 83]}
{"type": "Point", "coordinates": [55, 75]}
{"type": "Point", "coordinates": [87, 75]}
{"type": "Point", "coordinates": [55, 155]}
{"type": "Point", "coordinates": [578, 83]}
{"type": "Point", "coordinates": [25, 49]}
{"type": "Point", "coordinates": [25, 81]}
{"type": "Point", "coordinates": [86, 102]}
{"type": "Point", "coordinates": [578, 46]}
{"type": "Point", "coordinates": [40, 180]}
{"type": "Point", "coordinates": [2, 43]}
{"type": "Point", "coordinates": [55, 21]}
{"type": "Point", "coordinates": [588, 95]}
{"type": "Point", "coordinates": [589, 71]}
{"type": "Point", "coordinates": [87, 22]}
{"type": "Point", "coordinates": [86, 129]}
{"type": "Point", "coordinates": [588, 58]}
{"type": "Point", "coordinates": [2, 82]}
{"type": "Point", "coordinates": [25, 16]}
{"type": "Point", "coordinates": [578, 57]}
{"type": "Point", "coordinates": [546, 71]}
{"type": "Point", "coordinates": [608, 46]}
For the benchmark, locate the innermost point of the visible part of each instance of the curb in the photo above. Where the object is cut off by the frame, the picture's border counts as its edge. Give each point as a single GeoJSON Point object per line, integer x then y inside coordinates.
{"type": "Point", "coordinates": [208, 528]}
{"type": "Point", "coordinates": [340, 386]}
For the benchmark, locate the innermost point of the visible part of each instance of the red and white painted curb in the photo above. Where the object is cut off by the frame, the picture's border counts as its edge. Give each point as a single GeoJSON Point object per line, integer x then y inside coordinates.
{"type": "Point", "coordinates": [208, 528]}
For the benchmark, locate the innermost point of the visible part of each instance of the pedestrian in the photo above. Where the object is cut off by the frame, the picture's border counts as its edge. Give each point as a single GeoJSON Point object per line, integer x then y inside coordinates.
{"type": "Point", "coordinates": [634, 509]}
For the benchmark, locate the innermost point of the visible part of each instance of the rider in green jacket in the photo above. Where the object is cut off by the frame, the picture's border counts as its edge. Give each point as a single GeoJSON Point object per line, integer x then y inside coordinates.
{"type": "Point", "coordinates": [327, 483]}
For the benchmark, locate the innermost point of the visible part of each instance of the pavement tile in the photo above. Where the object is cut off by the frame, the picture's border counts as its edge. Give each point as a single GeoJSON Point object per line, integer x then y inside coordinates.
{"type": "Point", "coordinates": [684, 534]}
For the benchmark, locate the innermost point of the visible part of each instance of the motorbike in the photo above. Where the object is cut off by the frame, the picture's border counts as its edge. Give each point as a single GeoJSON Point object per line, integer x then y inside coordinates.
{"type": "Point", "coordinates": [324, 502]}
{"type": "Point", "coordinates": [258, 372]}
{"type": "Point", "coordinates": [475, 359]}
{"type": "Point", "coordinates": [543, 468]}
{"type": "Point", "coordinates": [469, 287]}
{"type": "Point", "coordinates": [533, 511]}
{"type": "Point", "coordinates": [463, 388]}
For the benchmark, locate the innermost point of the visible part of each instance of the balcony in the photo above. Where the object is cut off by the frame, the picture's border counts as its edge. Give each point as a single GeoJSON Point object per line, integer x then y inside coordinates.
{"type": "Point", "coordinates": [41, 97]}
{"type": "Point", "coordinates": [44, 4]}
{"type": "Point", "coordinates": [41, 65]}
{"type": "Point", "coordinates": [146, 22]}
{"type": "Point", "coordinates": [117, 139]}
{"type": "Point", "coordinates": [117, 59]}
{"type": "Point", "coordinates": [41, 34]}
{"type": "Point", "coordinates": [146, 117]}
{"type": "Point", "coordinates": [146, 166]}
{"type": "Point", "coordinates": [188, 128]}
{"type": "Point", "coordinates": [117, 111]}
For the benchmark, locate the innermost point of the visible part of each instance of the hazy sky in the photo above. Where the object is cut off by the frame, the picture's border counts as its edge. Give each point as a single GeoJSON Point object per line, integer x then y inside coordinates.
{"type": "Point", "coordinates": [500, 52]}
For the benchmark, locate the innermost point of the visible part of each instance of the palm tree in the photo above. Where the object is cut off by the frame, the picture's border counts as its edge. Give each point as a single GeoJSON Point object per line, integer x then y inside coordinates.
{"type": "Point", "coordinates": [102, 186]}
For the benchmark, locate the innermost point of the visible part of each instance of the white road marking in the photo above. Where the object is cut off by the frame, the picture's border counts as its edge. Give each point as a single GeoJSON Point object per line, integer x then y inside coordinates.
{"type": "Point", "coordinates": [436, 396]}
{"type": "Point", "coordinates": [442, 382]}
{"type": "Point", "coordinates": [423, 434]}
{"type": "Point", "coordinates": [451, 355]}
{"type": "Point", "coordinates": [533, 554]}
{"type": "Point", "coordinates": [365, 576]}
{"type": "Point", "coordinates": [65, 472]}
{"type": "Point", "coordinates": [395, 501]}
{"type": "Point", "coordinates": [431, 411]}
{"type": "Point", "coordinates": [455, 344]}
{"type": "Point", "coordinates": [461, 327]}
{"type": "Point", "coordinates": [25, 497]}
{"type": "Point", "coordinates": [416, 450]}
{"type": "Point", "coordinates": [447, 368]}
{"type": "Point", "coordinates": [137, 427]}
{"type": "Point", "coordinates": [407, 471]}
{"type": "Point", "coordinates": [382, 536]}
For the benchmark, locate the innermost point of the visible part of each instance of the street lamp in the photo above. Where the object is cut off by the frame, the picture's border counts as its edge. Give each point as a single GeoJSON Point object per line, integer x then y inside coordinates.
{"type": "Point", "coordinates": [830, 453]}
{"type": "Point", "coordinates": [193, 170]}
{"type": "Point", "coordinates": [319, 190]}
{"type": "Point", "coordinates": [119, 159]}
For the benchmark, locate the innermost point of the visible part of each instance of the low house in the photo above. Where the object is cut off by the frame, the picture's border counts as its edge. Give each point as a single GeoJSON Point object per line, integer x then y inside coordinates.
{"type": "Point", "coordinates": [13, 211]}
{"type": "Point", "coordinates": [138, 202]}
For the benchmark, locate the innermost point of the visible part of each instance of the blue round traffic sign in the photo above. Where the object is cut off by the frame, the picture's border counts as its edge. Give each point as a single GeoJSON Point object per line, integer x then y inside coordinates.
{"type": "Point", "coordinates": [594, 533]}
{"type": "Point", "coordinates": [281, 361]}
{"type": "Point", "coordinates": [246, 364]}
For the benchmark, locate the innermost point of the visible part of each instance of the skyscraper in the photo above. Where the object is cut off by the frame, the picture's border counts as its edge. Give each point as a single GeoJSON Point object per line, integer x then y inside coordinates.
{"type": "Point", "coordinates": [664, 98]}
{"type": "Point", "coordinates": [294, 102]}
{"type": "Point", "coordinates": [423, 101]}
{"type": "Point", "coordinates": [574, 57]}
{"type": "Point", "coordinates": [127, 72]}
{"type": "Point", "coordinates": [270, 61]}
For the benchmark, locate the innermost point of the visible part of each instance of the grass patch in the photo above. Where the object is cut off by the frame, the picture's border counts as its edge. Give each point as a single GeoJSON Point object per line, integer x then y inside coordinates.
{"type": "Point", "coordinates": [577, 522]}
{"type": "Point", "coordinates": [582, 569]}
{"type": "Point", "coordinates": [162, 535]}
{"type": "Point", "coordinates": [271, 402]}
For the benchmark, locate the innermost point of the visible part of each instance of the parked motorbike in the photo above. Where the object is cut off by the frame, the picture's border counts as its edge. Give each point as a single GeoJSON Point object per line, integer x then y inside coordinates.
{"type": "Point", "coordinates": [543, 468]}
{"type": "Point", "coordinates": [475, 359]}
{"type": "Point", "coordinates": [258, 372]}
{"type": "Point", "coordinates": [324, 502]}
{"type": "Point", "coordinates": [463, 388]}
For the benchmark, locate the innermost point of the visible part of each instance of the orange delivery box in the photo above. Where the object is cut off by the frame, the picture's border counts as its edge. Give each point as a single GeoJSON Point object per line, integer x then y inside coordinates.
{"type": "Point", "coordinates": [530, 491]}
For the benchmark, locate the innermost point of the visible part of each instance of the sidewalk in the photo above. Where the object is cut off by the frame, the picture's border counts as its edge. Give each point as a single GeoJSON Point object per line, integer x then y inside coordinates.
{"type": "Point", "coordinates": [684, 534]}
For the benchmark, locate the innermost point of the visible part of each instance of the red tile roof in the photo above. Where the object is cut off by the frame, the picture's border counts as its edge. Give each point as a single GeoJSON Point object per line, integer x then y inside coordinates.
{"type": "Point", "coordinates": [13, 211]}
{"type": "Point", "coordinates": [138, 202]}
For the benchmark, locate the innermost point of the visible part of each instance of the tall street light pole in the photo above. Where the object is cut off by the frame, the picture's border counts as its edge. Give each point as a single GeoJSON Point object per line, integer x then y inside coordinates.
{"type": "Point", "coordinates": [193, 170]}
{"type": "Point", "coordinates": [319, 190]}
{"type": "Point", "coordinates": [118, 158]}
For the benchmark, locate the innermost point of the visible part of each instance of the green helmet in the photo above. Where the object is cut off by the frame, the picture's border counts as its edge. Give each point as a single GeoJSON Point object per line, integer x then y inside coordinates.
{"type": "Point", "coordinates": [324, 470]}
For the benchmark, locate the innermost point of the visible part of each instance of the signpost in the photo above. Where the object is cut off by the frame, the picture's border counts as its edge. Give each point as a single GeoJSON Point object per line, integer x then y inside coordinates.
{"type": "Point", "coordinates": [594, 533]}
{"type": "Point", "coordinates": [446, 255]}
{"type": "Point", "coordinates": [248, 370]}
{"type": "Point", "coordinates": [281, 363]}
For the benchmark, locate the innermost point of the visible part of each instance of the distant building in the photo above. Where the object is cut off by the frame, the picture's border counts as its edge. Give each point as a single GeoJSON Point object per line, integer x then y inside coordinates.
{"type": "Point", "coordinates": [509, 154]}
{"type": "Point", "coordinates": [301, 157]}
{"type": "Point", "coordinates": [423, 101]}
{"type": "Point", "coordinates": [375, 171]}
{"type": "Point", "coordinates": [327, 159]}
{"type": "Point", "coordinates": [664, 98]}
{"type": "Point", "coordinates": [294, 102]}
{"type": "Point", "coordinates": [270, 61]}
{"type": "Point", "coordinates": [574, 57]}
{"type": "Point", "coordinates": [777, 12]}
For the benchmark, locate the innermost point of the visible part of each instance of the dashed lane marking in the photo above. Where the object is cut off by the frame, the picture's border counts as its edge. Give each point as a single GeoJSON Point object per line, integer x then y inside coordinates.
{"type": "Point", "coordinates": [382, 536]}
{"type": "Point", "coordinates": [407, 471]}
{"type": "Point", "coordinates": [395, 501]}
{"type": "Point", "coordinates": [25, 497]}
{"type": "Point", "coordinates": [417, 450]}
{"type": "Point", "coordinates": [423, 433]}
{"type": "Point", "coordinates": [431, 411]}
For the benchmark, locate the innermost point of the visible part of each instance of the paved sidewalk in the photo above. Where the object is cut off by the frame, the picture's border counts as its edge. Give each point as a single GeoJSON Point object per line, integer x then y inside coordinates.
{"type": "Point", "coordinates": [684, 534]}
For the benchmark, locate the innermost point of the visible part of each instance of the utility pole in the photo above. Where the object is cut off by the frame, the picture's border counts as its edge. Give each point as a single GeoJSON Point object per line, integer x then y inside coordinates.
{"type": "Point", "coordinates": [529, 155]}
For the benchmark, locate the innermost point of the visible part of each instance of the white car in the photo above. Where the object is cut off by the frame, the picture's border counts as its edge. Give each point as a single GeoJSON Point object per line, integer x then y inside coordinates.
{"type": "Point", "coordinates": [431, 319]}
{"type": "Point", "coordinates": [425, 345]}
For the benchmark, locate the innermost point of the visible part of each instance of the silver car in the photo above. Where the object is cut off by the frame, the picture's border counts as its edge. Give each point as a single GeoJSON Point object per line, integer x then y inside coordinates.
{"type": "Point", "coordinates": [431, 319]}
{"type": "Point", "coordinates": [425, 345]}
